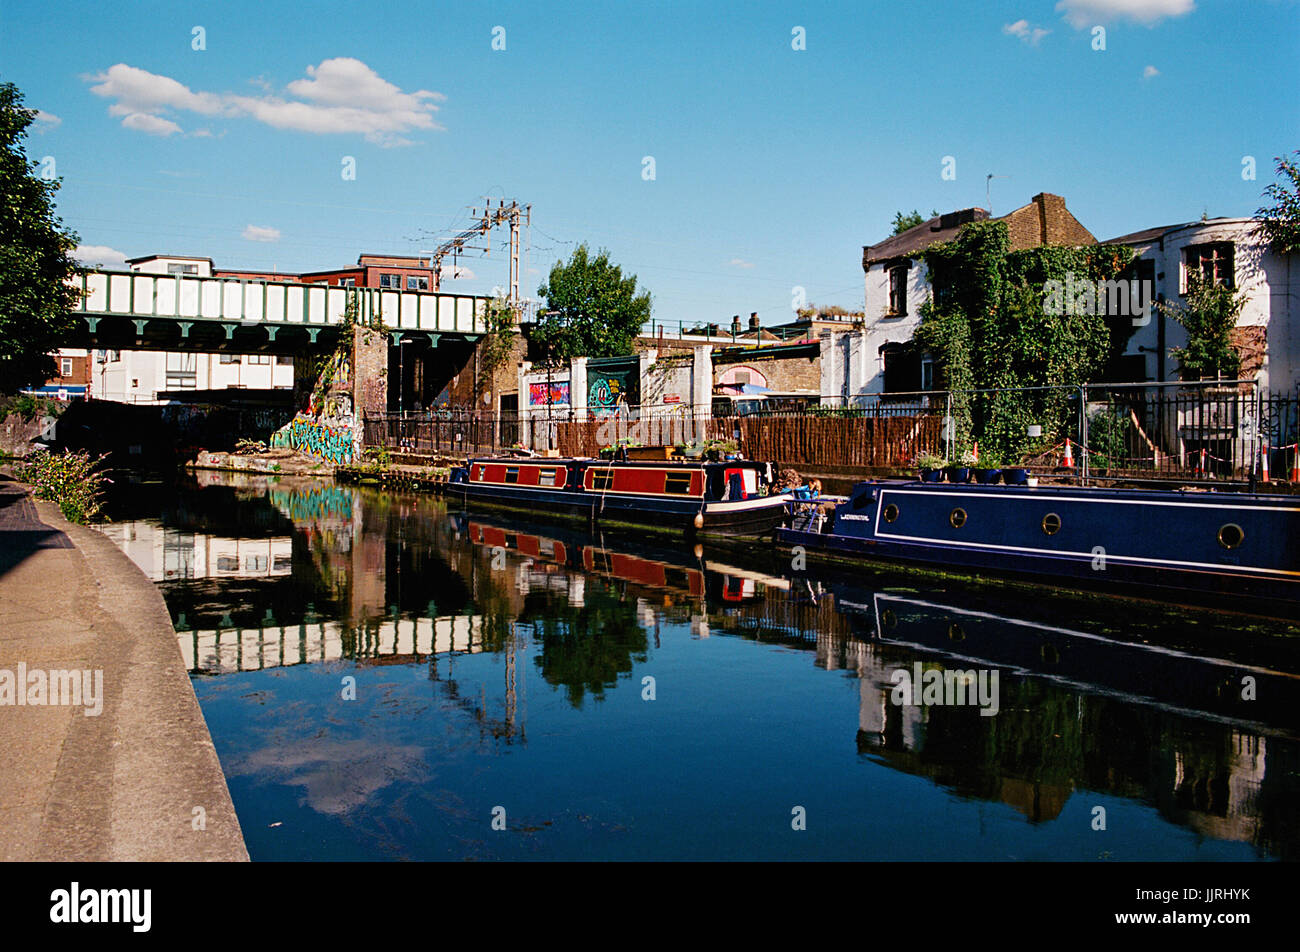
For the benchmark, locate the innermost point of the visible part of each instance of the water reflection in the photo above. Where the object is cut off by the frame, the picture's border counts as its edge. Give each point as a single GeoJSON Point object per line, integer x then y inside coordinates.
{"type": "Point", "coordinates": [1191, 716]}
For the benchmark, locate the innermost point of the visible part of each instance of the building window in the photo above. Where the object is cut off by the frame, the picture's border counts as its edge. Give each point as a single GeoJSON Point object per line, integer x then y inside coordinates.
{"type": "Point", "coordinates": [415, 282]}
{"type": "Point", "coordinates": [1213, 261]}
{"type": "Point", "coordinates": [228, 359]}
{"type": "Point", "coordinates": [390, 281]}
{"type": "Point", "coordinates": [282, 360]}
{"type": "Point", "coordinates": [182, 269]}
{"type": "Point", "coordinates": [898, 290]}
{"type": "Point", "coordinates": [927, 372]}
{"type": "Point", "coordinates": [65, 366]}
{"type": "Point", "coordinates": [347, 282]}
{"type": "Point", "coordinates": [259, 358]}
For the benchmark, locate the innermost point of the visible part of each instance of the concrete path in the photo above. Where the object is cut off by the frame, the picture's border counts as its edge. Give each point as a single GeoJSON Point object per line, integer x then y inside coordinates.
{"type": "Point", "coordinates": [138, 781]}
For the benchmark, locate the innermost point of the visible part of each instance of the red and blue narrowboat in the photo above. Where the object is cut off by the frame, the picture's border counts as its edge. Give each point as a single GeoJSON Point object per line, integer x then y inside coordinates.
{"type": "Point", "coordinates": [1152, 544]}
{"type": "Point", "coordinates": [691, 496]}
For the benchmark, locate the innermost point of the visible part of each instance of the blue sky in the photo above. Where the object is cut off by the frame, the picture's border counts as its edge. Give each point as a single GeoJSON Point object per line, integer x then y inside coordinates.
{"type": "Point", "coordinates": [773, 166]}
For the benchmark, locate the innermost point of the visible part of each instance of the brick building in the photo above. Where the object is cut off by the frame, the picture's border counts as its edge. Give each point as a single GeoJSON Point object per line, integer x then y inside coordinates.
{"type": "Point", "coordinates": [876, 358]}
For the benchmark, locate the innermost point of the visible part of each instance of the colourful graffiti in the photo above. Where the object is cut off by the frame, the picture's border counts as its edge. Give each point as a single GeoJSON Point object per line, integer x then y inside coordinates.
{"type": "Point", "coordinates": [330, 442]}
{"type": "Point", "coordinates": [317, 505]}
{"type": "Point", "coordinates": [559, 393]}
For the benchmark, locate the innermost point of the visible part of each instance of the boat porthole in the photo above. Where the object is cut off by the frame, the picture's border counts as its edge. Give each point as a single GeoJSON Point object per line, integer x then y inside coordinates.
{"type": "Point", "coordinates": [888, 619]}
{"type": "Point", "coordinates": [1051, 654]}
{"type": "Point", "coordinates": [1231, 536]}
{"type": "Point", "coordinates": [1051, 523]}
{"type": "Point", "coordinates": [955, 633]}
{"type": "Point", "coordinates": [891, 512]}
{"type": "Point", "coordinates": [958, 518]}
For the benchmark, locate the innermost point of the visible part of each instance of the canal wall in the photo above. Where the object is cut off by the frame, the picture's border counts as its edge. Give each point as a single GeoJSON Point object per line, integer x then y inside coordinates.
{"type": "Point", "coordinates": [137, 780]}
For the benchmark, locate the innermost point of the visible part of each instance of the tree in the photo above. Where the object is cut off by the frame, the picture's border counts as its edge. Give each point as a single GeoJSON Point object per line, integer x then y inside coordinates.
{"type": "Point", "coordinates": [903, 222]}
{"type": "Point", "coordinates": [1282, 218]}
{"type": "Point", "coordinates": [592, 310]}
{"type": "Point", "coordinates": [35, 258]}
{"type": "Point", "coordinates": [1209, 316]}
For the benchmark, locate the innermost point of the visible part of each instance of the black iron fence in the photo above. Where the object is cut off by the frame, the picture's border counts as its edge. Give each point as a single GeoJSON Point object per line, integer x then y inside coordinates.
{"type": "Point", "coordinates": [1184, 432]}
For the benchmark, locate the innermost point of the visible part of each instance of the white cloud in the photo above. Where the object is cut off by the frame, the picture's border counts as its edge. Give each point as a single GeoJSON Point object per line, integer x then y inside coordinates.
{"type": "Point", "coordinates": [100, 255]}
{"type": "Point", "coordinates": [45, 121]}
{"type": "Point", "coordinates": [1085, 13]}
{"type": "Point", "coordinates": [1028, 34]}
{"type": "Point", "coordinates": [459, 273]}
{"type": "Point", "coordinates": [260, 233]}
{"type": "Point", "coordinates": [1150, 72]}
{"type": "Point", "coordinates": [340, 96]}
{"type": "Point", "coordinates": [153, 125]}
{"type": "Point", "coordinates": [740, 263]}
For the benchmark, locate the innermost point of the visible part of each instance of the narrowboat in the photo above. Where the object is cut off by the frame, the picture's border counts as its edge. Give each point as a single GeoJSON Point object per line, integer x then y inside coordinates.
{"type": "Point", "coordinates": [1153, 544]}
{"type": "Point", "coordinates": [690, 496]}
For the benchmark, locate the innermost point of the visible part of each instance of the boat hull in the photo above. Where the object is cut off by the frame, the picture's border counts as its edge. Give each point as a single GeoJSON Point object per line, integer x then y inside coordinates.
{"type": "Point", "coordinates": [1157, 544]}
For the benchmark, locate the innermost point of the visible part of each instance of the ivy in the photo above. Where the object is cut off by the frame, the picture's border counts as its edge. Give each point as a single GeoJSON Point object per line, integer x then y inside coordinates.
{"type": "Point", "coordinates": [988, 327]}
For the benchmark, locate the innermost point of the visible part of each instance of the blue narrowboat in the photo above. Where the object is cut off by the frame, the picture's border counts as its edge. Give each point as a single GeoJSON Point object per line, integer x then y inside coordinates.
{"type": "Point", "coordinates": [1238, 545]}
{"type": "Point", "coordinates": [690, 496]}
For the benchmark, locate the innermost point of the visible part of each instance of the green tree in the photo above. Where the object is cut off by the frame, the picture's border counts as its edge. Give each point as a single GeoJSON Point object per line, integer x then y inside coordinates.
{"type": "Point", "coordinates": [592, 310]}
{"type": "Point", "coordinates": [903, 222]}
{"type": "Point", "coordinates": [35, 258]}
{"type": "Point", "coordinates": [1210, 314]}
{"type": "Point", "coordinates": [1282, 218]}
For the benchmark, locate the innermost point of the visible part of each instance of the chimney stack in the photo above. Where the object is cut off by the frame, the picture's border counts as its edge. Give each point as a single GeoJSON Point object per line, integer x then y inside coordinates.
{"type": "Point", "coordinates": [753, 320]}
{"type": "Point", "coordinates": [735, 324]}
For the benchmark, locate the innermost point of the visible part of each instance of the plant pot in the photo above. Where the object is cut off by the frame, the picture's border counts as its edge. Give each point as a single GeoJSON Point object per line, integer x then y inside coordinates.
{"type": "Point", "coordinates": [958, 474]}
{"type": "Point", "coordinates": [987, 476]}
{"type": "Point", "coordinates": [1015, 477]}
{"type": "Point", "coordinates": [931, 475]}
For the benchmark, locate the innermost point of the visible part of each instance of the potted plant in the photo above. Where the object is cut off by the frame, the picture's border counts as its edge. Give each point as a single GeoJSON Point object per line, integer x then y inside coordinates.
{"type": "Point", "coordinates": [989, 469]}
{"type": "Point", "coordinates": [959, 472]}
{"type": "Point", "coordinates": [931, 467]}
{"type": "Point", "coordinates": [1015, 475]}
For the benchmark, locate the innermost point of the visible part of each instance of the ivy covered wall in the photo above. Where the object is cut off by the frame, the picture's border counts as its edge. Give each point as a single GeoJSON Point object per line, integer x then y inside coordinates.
{"type": "Point", "coordinates": [987, 327]}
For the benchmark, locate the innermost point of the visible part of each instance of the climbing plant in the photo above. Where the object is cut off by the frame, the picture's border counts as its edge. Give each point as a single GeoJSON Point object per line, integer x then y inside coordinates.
{"type": "Point", "coordinates": [991, 324]}
{"type": "Point", "coordinates": [1210, 314]}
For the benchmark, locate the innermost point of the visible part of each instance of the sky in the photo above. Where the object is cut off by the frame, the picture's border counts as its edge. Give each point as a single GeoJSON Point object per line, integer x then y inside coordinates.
{"type": "Point", "coordinates": [735, 157]}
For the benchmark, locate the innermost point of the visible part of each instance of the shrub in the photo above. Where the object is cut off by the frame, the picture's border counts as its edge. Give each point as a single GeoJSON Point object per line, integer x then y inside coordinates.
{"type": "Point", "coordinates": [73, 481]}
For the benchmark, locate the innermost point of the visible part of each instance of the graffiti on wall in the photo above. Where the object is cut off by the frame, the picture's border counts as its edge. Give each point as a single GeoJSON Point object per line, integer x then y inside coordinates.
{"type": "Point", "coordinates": [331, 442]}
{"type": "Point", "coordinates": [605, 391]}
{"type": "Point", "coordinates": [559, 393]}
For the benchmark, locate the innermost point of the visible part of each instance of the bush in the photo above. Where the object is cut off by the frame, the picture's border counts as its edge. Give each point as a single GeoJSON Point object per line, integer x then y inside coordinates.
{"type": "Point", "coordinates": [71, 480]}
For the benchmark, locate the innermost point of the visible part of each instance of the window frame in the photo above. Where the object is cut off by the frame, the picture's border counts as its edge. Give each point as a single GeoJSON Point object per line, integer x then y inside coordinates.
{"type": "Point", "coordinates": [1196, 256]}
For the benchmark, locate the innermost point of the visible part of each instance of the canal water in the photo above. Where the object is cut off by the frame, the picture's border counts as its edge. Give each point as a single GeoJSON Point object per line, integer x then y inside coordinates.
{"type": "Point", "coordinates": [386, 676]}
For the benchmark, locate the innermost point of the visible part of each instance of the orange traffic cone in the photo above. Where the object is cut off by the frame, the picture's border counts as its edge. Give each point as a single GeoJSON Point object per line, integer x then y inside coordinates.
{"type": "Point", "coordinates": [977, 453]}
{"type": "Point", "coordinates": [1200, 465]}
{"type": "Point", "coordinates": [1068, 462]}
{"type": "Point", "coordinates": [1263, 462]}
{"type": "Point", "coordinates": [1295, 464]}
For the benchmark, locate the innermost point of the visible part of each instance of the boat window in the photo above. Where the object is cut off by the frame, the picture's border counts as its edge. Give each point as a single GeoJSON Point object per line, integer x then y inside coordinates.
{"type": "Point", "coordinates": [958, 518]}
{"type": "Point", "coordinates": [512, 474]}
{"type": "Point", "coordinates": [1231, 535]}
{"type": "Point", "coordinates": [547, 477]}
{"type": "Point", "coordinates": [1051, 523]}
{"type": "Point", "coordinates": [677, 483]}
{"type": "Point", "coordinates": [602, 478]}
{"type": "Point", "coordinates": [891, 512]}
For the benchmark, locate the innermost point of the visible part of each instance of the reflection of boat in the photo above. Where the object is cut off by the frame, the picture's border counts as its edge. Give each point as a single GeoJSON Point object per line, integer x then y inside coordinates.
{"type": "Point", "coordinates": [1265, 699]}
{"type": "Point", "coordinates": [1220, 544]}
{"type": "Point", "coordinates": [689, 495]}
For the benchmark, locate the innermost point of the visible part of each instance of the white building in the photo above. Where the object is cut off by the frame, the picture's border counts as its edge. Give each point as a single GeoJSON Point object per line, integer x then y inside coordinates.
{"type": "Point", "coordinates": [1232, 251]}
{"type": "Point", "coordinates": [878, 357]}
{"type": "Point", "coordinates": [139, 376]}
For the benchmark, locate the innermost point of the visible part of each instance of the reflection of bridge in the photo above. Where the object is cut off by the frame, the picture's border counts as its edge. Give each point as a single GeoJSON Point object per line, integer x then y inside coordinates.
{"type": "Point", "coordinates": [138, 311]}
{"type": "Point", "coordinates": [229, 650]}
{"type": "Point", "coordinates": [165, 553]}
